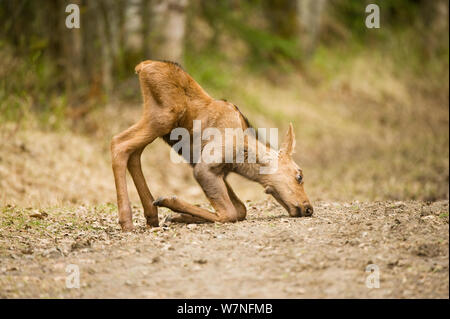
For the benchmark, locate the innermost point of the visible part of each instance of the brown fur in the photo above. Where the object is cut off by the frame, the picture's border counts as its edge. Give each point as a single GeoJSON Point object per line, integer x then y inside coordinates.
{"type": "Point", "coordinates": [173, 99]}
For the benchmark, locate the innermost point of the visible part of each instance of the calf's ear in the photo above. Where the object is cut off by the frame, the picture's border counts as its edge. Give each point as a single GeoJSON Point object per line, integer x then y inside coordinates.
{"type": "Point", "coordinates": [288, 146]}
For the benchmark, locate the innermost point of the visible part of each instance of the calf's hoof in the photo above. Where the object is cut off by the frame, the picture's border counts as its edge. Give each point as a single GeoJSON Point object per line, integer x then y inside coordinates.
{"type": "Point", "coordinates": [127, 227]}
{"type": "Point", "coordinates": [159, 202]}
{"type": "Point", "coordinates": [164, 201]}
{"type": "Point", "coordinates": [152, 222]}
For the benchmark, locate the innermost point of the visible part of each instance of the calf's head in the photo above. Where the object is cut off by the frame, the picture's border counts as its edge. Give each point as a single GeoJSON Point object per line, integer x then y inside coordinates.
{"type": "Point", "coordinates": [286, 184]}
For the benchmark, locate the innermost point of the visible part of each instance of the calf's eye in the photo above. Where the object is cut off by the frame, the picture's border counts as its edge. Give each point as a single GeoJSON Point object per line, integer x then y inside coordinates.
{"type": "Point", "coordinates": [299, 178]}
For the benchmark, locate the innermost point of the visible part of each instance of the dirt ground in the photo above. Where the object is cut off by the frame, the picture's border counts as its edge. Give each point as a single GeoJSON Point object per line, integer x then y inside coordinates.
{"type": "Point", "coordinates": [269, 255]}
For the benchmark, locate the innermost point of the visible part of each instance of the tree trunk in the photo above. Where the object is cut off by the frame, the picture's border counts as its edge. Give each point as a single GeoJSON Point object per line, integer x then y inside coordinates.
{"type": "Point", "coordinates": [435, 16]}
{"type": "Point", "coordinates": [282, 17]}
{"type": "Point", "coordinates": [73, 58]}
{"type": "Point", "coordinates": [105, 36]}
{"type": "Point", "coordinates": [310, 17]}
{"type": "Point", "coordinates": [169, 25]}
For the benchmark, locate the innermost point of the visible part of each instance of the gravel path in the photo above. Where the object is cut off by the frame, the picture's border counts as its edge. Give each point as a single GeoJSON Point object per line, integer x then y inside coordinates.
{"type": "Point", "coordinates": [269, 255]}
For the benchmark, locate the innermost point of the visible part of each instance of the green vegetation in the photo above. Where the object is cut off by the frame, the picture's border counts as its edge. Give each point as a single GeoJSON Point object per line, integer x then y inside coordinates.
{"type": "Point", "coordinates": [370, 106]}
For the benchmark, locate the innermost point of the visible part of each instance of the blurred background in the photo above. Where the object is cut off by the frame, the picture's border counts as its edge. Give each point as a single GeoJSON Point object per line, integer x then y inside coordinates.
{"type": "Point", "coordinates": [369, 106]}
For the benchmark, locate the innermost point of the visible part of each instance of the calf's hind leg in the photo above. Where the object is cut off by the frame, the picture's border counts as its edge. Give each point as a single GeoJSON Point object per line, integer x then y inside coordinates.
{"type": "Point", "coordinates": [123, 145]}
{"type": "Point", "coordinates": [135, 169]}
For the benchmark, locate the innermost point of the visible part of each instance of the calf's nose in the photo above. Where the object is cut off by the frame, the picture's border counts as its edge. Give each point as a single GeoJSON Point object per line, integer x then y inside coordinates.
{"type": "Point", "coordinates": [309, 210]}
{"type": "Point", "coordinates": [305, 210]}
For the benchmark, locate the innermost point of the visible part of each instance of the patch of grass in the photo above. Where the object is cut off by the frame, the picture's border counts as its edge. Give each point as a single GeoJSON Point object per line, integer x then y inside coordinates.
{"type": "Point", "coordinates": [27, 89]}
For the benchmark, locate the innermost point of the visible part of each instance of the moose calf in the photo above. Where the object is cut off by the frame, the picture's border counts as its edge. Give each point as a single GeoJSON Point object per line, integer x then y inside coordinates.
{"type": "Point", "coordinates": [172, 99]}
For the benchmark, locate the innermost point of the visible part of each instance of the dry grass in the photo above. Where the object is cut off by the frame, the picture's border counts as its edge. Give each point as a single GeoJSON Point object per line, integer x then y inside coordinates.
{"type": "Point", "coordinates": [364, 133]}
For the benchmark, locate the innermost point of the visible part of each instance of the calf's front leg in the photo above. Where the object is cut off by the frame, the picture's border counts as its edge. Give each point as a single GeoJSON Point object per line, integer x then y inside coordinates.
{"type": "Point", "coordinates": [215, 190]}
{"type": "Point", "coordinates": [186, 219]}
